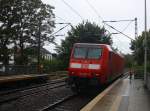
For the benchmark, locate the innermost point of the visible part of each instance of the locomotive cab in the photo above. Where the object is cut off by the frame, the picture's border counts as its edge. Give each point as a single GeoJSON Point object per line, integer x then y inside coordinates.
{"type": "Point", "coordinates": [85, 64]}
{"type": "Point", "coordinates": [90, 65]}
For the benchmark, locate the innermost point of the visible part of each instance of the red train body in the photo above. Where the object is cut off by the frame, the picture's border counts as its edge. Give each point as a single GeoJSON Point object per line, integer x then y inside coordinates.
{"type": "Point", "coordinates": [94, 63]}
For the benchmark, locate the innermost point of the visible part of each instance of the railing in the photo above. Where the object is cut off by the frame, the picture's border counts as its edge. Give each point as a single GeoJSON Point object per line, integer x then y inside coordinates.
{"type": "Point", "coordinates": [139, 73]}
{"type": "Point", "coordinates": [27, 69]}
{"type": "Point", "coordinates": [18, 69]}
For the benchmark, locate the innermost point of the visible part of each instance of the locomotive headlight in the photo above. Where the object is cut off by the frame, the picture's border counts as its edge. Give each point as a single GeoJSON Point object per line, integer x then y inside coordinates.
{"type": "Point", "coordinates": [75, 65]}
{"type": "Point", "coordinates": [94, 66]}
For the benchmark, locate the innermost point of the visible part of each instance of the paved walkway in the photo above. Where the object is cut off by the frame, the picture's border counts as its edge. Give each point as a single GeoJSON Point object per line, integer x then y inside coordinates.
{"type": "Point", "coordinates": [13, 78]}
{"type": "Point", "coordinates": [126, 95]}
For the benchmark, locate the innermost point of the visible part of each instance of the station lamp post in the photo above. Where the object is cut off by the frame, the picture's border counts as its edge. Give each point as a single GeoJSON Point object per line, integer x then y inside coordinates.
{"type": "Point", "coordinates": [145, 46]}
{"type": "Point", "coordinates": [39, 46]}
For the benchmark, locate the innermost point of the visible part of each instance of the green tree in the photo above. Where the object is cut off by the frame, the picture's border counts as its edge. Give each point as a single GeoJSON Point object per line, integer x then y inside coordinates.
{"type": "Point", "coordinates": [6, 29]}
{"type": "Point", "coordinates": [129, 61]}
{"type": "Point", "coordinates": [20, 21]}
{"type": "Point", "coordinates": [138, 48]}
{"type": "Point", "coordinates": [85, 32]}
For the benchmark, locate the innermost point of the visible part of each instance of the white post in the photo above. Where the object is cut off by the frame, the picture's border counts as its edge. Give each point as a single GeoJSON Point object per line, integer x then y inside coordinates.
{"type": "Point", "coordinates": [145, 46]}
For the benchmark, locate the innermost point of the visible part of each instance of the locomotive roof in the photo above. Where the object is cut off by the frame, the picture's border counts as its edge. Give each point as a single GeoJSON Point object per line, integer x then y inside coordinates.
{"type": "Point", "coordinates": [93, 44]}
{"type": "Point", "coordinates": [89, 44]}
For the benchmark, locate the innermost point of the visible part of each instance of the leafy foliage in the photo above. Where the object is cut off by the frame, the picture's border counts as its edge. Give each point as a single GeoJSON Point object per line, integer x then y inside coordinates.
{"type": "Point", "coordinates": [52, 65]}
{"type": "Point", "coordinates": [6, 29]}
{"type": "Point", "coordinates": [129, 61]}
{"type": "Point", "coordinates": [21, 24]}
{"type": "Point", "coordinates": [85, 32]}
{"type": "Point", "coordinates": [138, 48]}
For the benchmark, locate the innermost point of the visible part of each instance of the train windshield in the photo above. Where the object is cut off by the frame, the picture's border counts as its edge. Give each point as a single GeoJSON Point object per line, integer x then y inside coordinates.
{"type": "Point", "coordinates": [80, 52]}
{"type": "Point", "coordinates": [94, 53]}
{"type": "Point", "coordinates": [87, 52]}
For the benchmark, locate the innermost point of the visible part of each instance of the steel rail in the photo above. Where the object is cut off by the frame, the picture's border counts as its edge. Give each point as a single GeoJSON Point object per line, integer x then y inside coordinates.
{"type": "Point", "coordinates": [15, 94]}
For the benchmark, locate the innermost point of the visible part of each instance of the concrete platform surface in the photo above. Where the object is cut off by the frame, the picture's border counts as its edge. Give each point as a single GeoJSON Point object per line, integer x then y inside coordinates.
{"type": "Point", "coordinates": [4, 79]}
{"type": "Point", "coordinates": [123, 95]}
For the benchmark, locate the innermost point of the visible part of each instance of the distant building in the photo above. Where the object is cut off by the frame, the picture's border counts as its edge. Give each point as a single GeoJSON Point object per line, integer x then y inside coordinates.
{"type": "Point", "coordinates": [32, 55]}
{"type": "Point", "coordinates": [46, 54]}
{"type": "Point", "coordinates": [33, 51]}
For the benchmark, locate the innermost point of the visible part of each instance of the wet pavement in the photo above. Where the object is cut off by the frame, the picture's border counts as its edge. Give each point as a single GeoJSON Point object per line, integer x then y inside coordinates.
{"type": "Point", "coordinates": [125, 95]}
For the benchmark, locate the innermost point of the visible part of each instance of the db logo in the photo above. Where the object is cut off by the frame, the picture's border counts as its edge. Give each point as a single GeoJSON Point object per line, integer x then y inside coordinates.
{"type": "Point", "coordinates": [85, 66]}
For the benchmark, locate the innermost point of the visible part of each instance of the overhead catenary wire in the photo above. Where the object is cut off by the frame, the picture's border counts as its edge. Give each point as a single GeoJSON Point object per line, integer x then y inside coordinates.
{"type": "Point", "coordinates": [66, 22]}
{"type": "Point", "coordinates": [72, 9]}
{"type": "Point", "coordinates": [92, 7]}
{"type": "Point", "coordinates": [100, 17]}
{"type": "Point", "coordinates": [118, 31]}
{"type": "Point", "coordinates": [119, 21]}
{"type": "Point", "coordinates": [59, 30]}
{"type": "Point", "coordinates": [52, 35]}
{"type": "Point", "coordinates": [127, 26]}
{"type": "Point", "coordinates": [114, 21]}
{"type": "Point", "coordinates": [96, 12]}
{"type": "Point", "coordinates": [61, 18]}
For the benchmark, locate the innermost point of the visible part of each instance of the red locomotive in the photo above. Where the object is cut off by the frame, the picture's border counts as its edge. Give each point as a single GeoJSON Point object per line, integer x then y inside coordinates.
{"type": "Point", "coordinates": [92, 64]}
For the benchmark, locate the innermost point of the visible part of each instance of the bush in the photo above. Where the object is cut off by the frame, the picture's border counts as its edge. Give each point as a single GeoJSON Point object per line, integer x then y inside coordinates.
{"type": "Point", "coordinates": [52, 65]}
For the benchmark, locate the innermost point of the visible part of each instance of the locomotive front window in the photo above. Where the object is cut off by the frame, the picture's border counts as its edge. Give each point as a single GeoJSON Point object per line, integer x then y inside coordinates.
{"type": "Point", "coordinates": [80, 52]}
{"type": "Point", "coordinates": [94, 53]}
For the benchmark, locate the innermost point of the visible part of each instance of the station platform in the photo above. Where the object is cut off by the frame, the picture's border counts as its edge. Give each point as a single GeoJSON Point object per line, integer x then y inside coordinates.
{"type": "Point", "coordinates": [123, 95]}
{"type": "Point", "coordinates": [13, 78]}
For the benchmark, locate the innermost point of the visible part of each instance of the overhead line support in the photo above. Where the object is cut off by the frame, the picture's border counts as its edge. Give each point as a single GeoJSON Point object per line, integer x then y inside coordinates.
{"type": "Point", "coordinates": [118, 30]}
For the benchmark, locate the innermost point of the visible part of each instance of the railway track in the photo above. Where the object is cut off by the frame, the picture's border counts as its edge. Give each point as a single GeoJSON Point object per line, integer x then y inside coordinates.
{"type": "Point", "coordinates": [58, 102]}
{"type": "Point", "coordinates": [39, 100]}
{"type": "Point", "coordinates": [46, 99]}
{"type": "Point", "coordinates": [52, 96]}
{"type": "Point", "coordinates": [72, 102]}
{"type": "Point", "coordinates": [13, 94]}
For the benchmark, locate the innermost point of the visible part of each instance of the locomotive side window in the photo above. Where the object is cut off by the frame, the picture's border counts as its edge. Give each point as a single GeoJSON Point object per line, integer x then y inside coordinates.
{"type": "Point", "coordinates": [80, 52]}
{"type": "Point", "coordinates": [94, 53]}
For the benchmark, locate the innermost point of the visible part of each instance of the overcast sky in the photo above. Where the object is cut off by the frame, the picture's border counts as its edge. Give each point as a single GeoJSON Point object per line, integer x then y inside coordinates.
{"type": "Point", "coordinates": [107, 10]}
